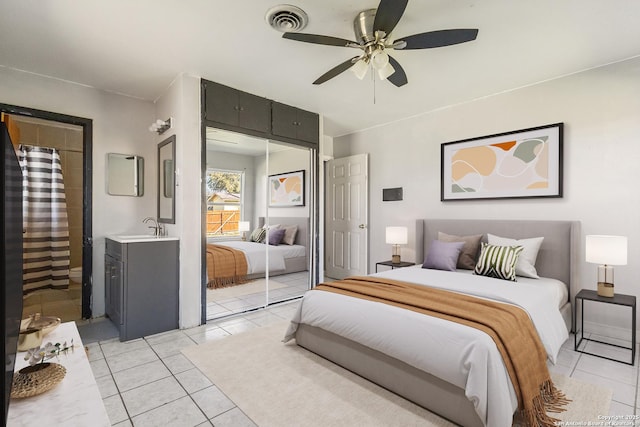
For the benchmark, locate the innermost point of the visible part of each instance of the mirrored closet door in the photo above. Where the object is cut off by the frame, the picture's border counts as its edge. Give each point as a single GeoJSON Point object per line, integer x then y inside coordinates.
{"type": "Point", "coordinates": [257, 222]}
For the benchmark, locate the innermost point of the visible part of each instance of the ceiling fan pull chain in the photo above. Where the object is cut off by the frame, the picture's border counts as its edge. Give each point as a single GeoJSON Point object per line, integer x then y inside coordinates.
{"type": "Point", "coordinates": [373, 78]}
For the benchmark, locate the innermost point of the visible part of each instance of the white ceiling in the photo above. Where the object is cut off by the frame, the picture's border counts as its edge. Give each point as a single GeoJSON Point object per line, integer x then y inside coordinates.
{"type": "Point", "coordinates": [138, 47]}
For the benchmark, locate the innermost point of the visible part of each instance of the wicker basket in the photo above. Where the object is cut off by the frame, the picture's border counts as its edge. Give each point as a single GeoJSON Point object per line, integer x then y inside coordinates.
{"type": "Point", "coordinates": [36, 379]}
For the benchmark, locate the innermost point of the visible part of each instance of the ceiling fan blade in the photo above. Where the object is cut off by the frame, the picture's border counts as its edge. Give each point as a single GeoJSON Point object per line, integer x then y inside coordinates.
{"type": "Point", "coordinates": [388, 14]}
{"type": "Point", "coordinates": [318, 39]}
{"type": "Point", "coordinates": [399, 77]}
{"type": "Point", "coordinates": [335, 71]}
{"type": "Point", "coordinates": [439, 38]}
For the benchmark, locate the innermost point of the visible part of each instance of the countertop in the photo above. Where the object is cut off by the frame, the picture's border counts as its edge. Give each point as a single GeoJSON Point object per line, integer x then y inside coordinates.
{"type": "Point", "coordinates": [137, 238]}
{"type": "Point", "coordinates": [76, 401]}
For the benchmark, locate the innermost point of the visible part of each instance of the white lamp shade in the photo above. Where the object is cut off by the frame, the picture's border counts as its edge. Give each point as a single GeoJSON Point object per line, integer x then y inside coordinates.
{"type": "Point", "coordinates": [396, 235]}
{"type": "Point", "coordinates": [244, 226]}
{"type": "Point", "coordinates": [386, 71]}
{"type": "Point", "coordinates": [379, 59]}
{"type": "Point", "coordinates": [360, 68]}
{"type": "Point", "coordinates": [607, 250]}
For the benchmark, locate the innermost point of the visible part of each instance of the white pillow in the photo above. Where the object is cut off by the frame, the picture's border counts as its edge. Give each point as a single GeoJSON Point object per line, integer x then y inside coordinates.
{"type": "Point", "coordinates": [527, 259]}
{"type": "Point", "coordinates": [271, 227]}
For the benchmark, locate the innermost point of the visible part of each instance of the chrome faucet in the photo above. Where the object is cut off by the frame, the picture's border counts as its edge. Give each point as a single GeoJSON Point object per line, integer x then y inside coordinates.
{"type": "Point", "coordinates": [156, 227]}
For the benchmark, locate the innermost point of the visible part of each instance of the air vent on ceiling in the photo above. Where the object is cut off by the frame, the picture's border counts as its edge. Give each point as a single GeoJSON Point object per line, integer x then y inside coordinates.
{"type": "Point", "coordinates": [286, 18]}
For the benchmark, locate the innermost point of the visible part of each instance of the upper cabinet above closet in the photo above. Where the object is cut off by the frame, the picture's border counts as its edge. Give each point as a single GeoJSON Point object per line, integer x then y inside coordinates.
{"type": "Point", "coordinates": [231, 109]}
{"type": "Point", "coordinates": [294, 123]}
{"type": "Point", "coordinates": [236, 108]}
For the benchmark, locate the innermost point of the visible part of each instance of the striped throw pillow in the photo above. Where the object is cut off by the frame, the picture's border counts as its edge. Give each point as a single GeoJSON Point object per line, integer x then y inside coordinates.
{"type": "Point", "coordinates": [258, 235]}
{"type": "Point", "coordinates": [498, 261]}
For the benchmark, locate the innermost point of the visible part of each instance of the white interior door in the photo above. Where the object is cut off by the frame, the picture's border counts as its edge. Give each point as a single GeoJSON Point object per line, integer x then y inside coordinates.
{"type": "Point", "coordinates": [346, 219]}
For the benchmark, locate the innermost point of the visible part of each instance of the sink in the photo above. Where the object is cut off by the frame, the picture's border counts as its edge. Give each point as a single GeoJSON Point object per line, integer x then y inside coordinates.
{"type": "Point", "coordinates": [132, 238]}
{"type": "Point", "coordinates": [136, 236]}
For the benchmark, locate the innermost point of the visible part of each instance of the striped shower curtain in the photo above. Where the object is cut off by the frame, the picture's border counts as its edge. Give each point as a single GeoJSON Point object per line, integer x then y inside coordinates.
{"type": "Point", "coordinates": [45, 225]}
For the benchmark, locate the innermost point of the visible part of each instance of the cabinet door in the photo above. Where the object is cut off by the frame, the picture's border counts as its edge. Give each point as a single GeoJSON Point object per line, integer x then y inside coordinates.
{"type": "Point", "coordinates": [236, 108]}
{"type": "Point", "coordinates": [283, 120]}
{"type": "Point", "coordinates": [114, 287]}
{"type": "Point", "coordinates": [295, 123]}
{"type": "Point", "coordinates": [308, 126]}
{"type": "Point", "coordinates": [254, 112]}
{"type": "Point", "coordinates": [221, 103]}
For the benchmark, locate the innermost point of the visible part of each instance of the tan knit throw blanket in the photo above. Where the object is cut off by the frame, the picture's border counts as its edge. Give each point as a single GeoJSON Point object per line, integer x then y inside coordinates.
{"type": "Point", "coordinates": [225, 266]}
{"type": "Point", "coordinates": [509, 327]}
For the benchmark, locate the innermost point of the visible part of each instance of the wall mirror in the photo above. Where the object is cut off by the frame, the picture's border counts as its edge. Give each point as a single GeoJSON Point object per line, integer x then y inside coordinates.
{"type": "Point", "coordinates": [166, 180]}
{"type": "Point", "coordinates": [125, 175]}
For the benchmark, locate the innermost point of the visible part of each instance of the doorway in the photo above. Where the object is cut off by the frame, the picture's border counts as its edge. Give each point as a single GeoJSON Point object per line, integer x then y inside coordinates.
{"type": "Point", "coordinates": [69, 139]}
{"type": "Point", "coordinates": [346, 217]}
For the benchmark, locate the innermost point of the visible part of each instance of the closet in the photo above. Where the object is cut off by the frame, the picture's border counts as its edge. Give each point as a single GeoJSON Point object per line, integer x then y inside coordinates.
{"type": "Point", "coordinates": [260, 174]}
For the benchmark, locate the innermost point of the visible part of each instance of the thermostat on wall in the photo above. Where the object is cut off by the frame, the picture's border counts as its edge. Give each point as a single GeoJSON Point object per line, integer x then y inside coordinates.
{"type": "Point", "coordinates": [391, 194]}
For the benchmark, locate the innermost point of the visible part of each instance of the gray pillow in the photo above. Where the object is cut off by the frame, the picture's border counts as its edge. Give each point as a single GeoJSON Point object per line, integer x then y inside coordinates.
{"type": "Point", "coordinates": [290, 232]}
{"type": "Point", "coordinates": [469, 253]}
{"type": "Point", "coordinates": [443, 255]}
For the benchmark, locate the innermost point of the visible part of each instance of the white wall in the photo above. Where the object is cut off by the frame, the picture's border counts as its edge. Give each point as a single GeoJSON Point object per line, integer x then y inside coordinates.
{"type": "Point", "coordinates": [119, 126]}
{"type": "Point", "coordinates": [600, 109]}
{"type": "Point", "coordinates": [181, 101]}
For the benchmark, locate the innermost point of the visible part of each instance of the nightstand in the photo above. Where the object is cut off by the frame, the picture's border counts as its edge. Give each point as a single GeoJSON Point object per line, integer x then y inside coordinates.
{"type": "Point", "coordinates": [618, 299]}
{"type": "Point", "coordinates": [396, 265]}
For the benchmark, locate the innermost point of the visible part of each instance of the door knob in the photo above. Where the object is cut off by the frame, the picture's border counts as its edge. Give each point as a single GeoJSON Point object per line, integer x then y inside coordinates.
{"type": "Point", "coordinates": [363, 226]}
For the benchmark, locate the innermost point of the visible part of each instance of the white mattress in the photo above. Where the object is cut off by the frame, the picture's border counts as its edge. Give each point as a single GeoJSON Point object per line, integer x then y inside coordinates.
{"type": "Point", "coordinates": [558, 292]}
{"type": "Point", "coordinates": [256, 254]}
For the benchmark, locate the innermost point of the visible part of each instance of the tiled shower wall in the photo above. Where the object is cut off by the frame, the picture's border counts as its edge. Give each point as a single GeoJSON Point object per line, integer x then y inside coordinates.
{"type": "Point", "coordinates": [68, 141]}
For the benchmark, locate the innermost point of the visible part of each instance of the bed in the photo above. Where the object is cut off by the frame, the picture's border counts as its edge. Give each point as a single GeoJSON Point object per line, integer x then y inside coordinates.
{"type": "Point", "coordinates": [441, 381]}
{"type": "Point", "coordinates": [282, 259]}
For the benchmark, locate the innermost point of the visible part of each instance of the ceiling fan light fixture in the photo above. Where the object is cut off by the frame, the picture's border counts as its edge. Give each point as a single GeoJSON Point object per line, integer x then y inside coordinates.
{"type": "Point", "coordinates": [360, 68]}
{"type": "Point", "coordinates": [379, 59]}
{"type": "Point", "coordinates": [386, 71]}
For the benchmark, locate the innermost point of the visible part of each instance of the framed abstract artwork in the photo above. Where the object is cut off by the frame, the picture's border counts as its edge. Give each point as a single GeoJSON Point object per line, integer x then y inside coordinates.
{"type": "Point", "coordinates": [523, 163]}
{"type": "Point", "coordinates": [286, 189]}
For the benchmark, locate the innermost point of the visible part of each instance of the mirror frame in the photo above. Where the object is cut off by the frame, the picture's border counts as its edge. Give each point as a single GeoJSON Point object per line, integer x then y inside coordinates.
{"type": "Point", "coordinates": [114, 188]}
{"type": "Point", "coordinates": [166, 178]}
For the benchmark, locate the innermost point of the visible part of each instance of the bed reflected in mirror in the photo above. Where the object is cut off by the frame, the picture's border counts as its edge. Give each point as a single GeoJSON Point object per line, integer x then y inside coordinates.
{"type": "Point", "coordinates": [256, 255]}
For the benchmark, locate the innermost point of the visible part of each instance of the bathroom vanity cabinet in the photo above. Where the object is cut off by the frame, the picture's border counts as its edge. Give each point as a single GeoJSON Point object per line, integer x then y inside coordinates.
{"type": "Point", "coordinates": [141, 284]}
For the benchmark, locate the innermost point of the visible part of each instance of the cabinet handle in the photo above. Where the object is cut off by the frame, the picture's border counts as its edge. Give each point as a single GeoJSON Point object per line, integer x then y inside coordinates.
{"type": "Point", "coordinates": [241, 108]}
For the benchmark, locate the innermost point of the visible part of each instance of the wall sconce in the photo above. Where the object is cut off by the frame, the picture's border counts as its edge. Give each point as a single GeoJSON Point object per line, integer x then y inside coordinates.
{"type": "Point", "coordinates": [160, 126]}
{"type": "Point", "coordinates": [244, 226]}
{"type": "Point", "coordinates": [606, 251]}
{"type": "Point", "coordinates": [396, 236]}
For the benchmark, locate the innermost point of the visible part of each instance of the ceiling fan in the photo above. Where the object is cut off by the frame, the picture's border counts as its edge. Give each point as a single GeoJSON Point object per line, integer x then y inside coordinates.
{"type": "Point", "coordinates": [373, 29]}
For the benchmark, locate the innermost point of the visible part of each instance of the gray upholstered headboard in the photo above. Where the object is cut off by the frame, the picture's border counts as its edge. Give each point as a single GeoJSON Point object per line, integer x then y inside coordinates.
{"type": "Point", "coordinates": [558, 256]}
{"type": "Point", "coordinates": [302, 236]}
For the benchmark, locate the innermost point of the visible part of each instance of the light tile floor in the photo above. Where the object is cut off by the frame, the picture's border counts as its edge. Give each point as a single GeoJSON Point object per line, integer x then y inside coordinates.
{"type": "Point", "coordinates": [295, 285]}
{"type": "Point", "coordinates": [148, 382]}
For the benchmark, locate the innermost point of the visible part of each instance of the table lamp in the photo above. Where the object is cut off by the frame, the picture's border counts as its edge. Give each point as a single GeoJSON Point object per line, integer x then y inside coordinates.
{"type": "Point", "coordinates": [396, 236]}
{"type": "Point", "coordinates": [606, 251]}
{"type": "Point", "coordinates": [244, 226]}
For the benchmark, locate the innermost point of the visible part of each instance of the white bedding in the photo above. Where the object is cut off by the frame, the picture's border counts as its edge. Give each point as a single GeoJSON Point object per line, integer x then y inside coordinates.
{"type": "Point", "coordinates": [257, 257]}
{"type": "Point", "coordinates": [460, 355]}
